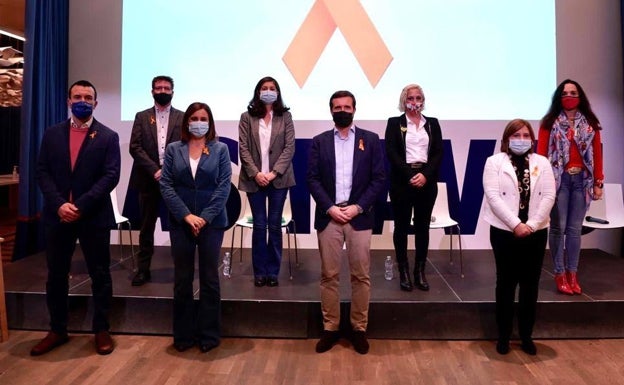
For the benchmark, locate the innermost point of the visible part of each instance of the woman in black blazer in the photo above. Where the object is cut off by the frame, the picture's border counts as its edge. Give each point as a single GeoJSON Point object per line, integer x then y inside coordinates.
{"type": "Point", "coordinates": [414, 149]}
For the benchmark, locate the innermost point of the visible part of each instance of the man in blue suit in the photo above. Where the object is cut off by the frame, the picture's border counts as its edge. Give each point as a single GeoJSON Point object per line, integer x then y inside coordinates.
{"type": "Point", "coordinates": [345, 176]}
{"type": "Point", "coordinates": [77, 168]}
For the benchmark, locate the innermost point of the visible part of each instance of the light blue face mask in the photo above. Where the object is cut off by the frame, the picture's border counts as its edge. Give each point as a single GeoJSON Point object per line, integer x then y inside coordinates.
{"type": "Point", "coordinates": [520, 146]}
{"type": "Point", "coordinates": [198, 129]}
{"type": "Point", "coordinates": [268, 96]}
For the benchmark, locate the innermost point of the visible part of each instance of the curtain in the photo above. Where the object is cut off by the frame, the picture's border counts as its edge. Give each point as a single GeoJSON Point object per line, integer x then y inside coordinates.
{"type": "Point", "coordinates": [44, 103]}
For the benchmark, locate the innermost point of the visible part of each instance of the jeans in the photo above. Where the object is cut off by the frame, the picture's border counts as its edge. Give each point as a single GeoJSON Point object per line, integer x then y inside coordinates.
{"type": "Point", "coordinates": [566, 221]}
{"type": "Point", "coordinates": [267, 256]}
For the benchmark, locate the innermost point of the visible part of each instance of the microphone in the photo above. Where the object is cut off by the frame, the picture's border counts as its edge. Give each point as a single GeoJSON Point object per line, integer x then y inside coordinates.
{"type": "Point", "coordinates": [596, 220]}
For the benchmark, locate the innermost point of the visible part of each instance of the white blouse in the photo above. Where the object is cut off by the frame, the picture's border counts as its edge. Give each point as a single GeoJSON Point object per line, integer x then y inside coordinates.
{"type": "Point", "coordinates": [416, 141]}
{"type": "Point", "coordinates": [194, 163]}
{"type": "Point", "coordinates": [265, 142]}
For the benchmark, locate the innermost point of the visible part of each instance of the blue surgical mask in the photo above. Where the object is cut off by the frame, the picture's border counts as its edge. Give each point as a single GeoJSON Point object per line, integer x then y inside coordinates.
{"type": "Point", "coordinates": [82, 110]}
{"type": "Point", "coordinates": [199, 128]}
{"type": "Point", "coordinates": [268, 96]}
{"type": "Point", "coordinates": [520, 146]}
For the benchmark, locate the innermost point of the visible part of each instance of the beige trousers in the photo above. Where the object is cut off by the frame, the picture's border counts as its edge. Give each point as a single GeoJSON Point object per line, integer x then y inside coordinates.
{"type": "Point", "coordinates": [331, 241]}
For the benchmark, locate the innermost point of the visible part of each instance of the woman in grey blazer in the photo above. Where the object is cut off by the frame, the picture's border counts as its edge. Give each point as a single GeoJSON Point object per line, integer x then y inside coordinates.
{"type": "Point", "coordinates": [266, 145]}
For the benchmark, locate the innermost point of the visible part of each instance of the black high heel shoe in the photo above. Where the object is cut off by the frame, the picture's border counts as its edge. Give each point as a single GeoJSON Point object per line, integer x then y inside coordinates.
{"type": "Point", "coordinates": [420, 280]}
{"type": "Point", "coordinates": [405, 282]}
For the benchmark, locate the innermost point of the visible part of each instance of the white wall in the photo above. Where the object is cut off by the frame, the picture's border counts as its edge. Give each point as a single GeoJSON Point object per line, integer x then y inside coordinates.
{"type": "Point", "coordinates": [589, 50]}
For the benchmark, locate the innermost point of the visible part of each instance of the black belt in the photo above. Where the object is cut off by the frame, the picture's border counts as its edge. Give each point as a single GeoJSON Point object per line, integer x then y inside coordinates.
{"type": "Point", "coordinates": [342, 204]}
{"type": "Point", "coordinates": [417, 165]}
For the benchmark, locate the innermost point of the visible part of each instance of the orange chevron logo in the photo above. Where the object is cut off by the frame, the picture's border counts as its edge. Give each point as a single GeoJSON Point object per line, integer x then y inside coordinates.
{"type": "Point", "coordinates": [318, 27]}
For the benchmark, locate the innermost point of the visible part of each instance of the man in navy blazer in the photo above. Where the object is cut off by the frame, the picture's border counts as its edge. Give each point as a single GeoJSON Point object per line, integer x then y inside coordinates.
{"type": "Point", "coordinates": [77, 168]}
{"type": "Point", "coordinates": [345, 176]}
{"type": "Point", "coordinates": [153, 129]}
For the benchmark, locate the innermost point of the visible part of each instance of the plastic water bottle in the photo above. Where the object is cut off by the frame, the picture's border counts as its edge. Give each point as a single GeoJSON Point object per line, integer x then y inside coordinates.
{"type": "Point", "coordinates": [226, 264]}
{"type": "Point", "coordinates": [389, 274]}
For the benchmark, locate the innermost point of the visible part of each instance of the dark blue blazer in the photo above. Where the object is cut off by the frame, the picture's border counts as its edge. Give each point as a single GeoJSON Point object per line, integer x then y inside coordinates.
{"type": "Point", "coordinates": [204, 196]}
{"type": "Point", "coordinates": [368, 176]}
{"type": "Point", "coordinates": [95, 174]}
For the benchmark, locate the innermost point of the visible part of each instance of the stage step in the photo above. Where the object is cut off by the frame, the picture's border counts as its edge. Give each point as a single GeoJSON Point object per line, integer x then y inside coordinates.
{"type": "Point", "coordinates": [455, 308]}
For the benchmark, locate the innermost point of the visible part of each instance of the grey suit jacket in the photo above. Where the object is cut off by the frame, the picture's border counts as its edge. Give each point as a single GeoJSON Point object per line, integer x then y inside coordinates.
{"type": "Point", "coordinates": [282, 149]}
{"type": "Point", "coordinates": [144, 146]}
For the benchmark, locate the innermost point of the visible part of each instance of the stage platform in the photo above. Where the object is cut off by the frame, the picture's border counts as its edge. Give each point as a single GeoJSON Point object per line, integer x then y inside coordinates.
{"type": "Point", "coordinates": [455, 308]}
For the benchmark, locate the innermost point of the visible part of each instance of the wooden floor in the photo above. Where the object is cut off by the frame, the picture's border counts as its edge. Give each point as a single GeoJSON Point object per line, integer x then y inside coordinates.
{"type": "Point", "coordinates": [150, 360]}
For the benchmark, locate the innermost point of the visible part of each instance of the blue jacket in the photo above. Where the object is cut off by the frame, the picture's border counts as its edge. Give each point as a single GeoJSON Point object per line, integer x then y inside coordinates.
{"type": "Point", "coordinates": [204, 196]}
{"type": "Point", "coordinates": [95, 174]}
{"type": "Point", "coordinates": [368, 176]}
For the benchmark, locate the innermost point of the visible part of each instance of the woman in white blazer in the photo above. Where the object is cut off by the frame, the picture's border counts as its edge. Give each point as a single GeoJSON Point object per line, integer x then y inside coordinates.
{"type": "Point", "coordinates": [519, 188]}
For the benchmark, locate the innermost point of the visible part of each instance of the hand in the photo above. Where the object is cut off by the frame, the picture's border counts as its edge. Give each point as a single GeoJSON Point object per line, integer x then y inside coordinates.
{"type": "Point", "coordinates": [195, 222]}
{"type": "Point", "coordinates": [338, 214]}
{"type": "Point", "coordinates": [522, 230]}
{"type": "Point", "coordinates": [597, 193]}
{"type": "Point", "coordinates": [418, 180]}
{"type": "Point", "coordinates": [68, 212]}
{"type": "Point", "coordinates": [157, 175]}
{"type": "Point", "coordinates": [262, 179]}
{"type": "Point", "coordinates": [271, 176]}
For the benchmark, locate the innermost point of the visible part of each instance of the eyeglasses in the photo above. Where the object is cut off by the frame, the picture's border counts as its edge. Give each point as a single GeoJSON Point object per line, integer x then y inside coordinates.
{"type": "Point", "coordinates": [414, 98]}
{"type": "Point", "coordinates": [161, 88]}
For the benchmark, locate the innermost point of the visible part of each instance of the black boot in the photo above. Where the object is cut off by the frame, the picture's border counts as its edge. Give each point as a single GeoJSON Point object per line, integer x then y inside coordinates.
{"type": "Point", "coordinates": [420, 280]}
{"type": "Point", "coordinates": [404, 276]}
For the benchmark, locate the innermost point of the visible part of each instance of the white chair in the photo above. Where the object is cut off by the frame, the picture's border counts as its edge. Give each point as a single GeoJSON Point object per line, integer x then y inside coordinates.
{"type": "Point", "coordinates": [246, 222]}
{"type": "Point", "coordinates": [120, 220]}
{"type": "Point", "coordinates": [609, 208]}
{"type": "Point", "coordinates": [441, 219]}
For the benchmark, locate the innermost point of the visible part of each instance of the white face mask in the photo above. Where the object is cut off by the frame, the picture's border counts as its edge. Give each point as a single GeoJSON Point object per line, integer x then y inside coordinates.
{"type": "Point", "coordinates": [520, 146]}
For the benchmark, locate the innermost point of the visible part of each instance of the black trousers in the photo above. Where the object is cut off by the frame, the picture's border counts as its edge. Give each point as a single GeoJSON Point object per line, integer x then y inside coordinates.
{"type": "Point", "coordinates": [149, 205]}
{"type": "Point", "coordinates": [419, 201]}
{"type": "Point", "coordinates": [60, 246]}
{"type": "Point", "coordinates": [518, 264]}
{"type": "Point", "coordinates": [200, 324]}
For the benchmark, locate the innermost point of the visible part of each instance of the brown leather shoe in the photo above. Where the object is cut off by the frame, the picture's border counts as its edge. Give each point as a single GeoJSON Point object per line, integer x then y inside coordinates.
{"type": "Point", "coordinates": [49, 342]}
{"type": "Point", "coordinates": [104, 343]}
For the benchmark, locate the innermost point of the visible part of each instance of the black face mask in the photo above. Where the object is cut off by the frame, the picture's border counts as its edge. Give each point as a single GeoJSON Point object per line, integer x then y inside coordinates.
{"type": "Point", "coordinates": [163, 99]}
{"type": "Point", "coordinates": [343, 119]}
